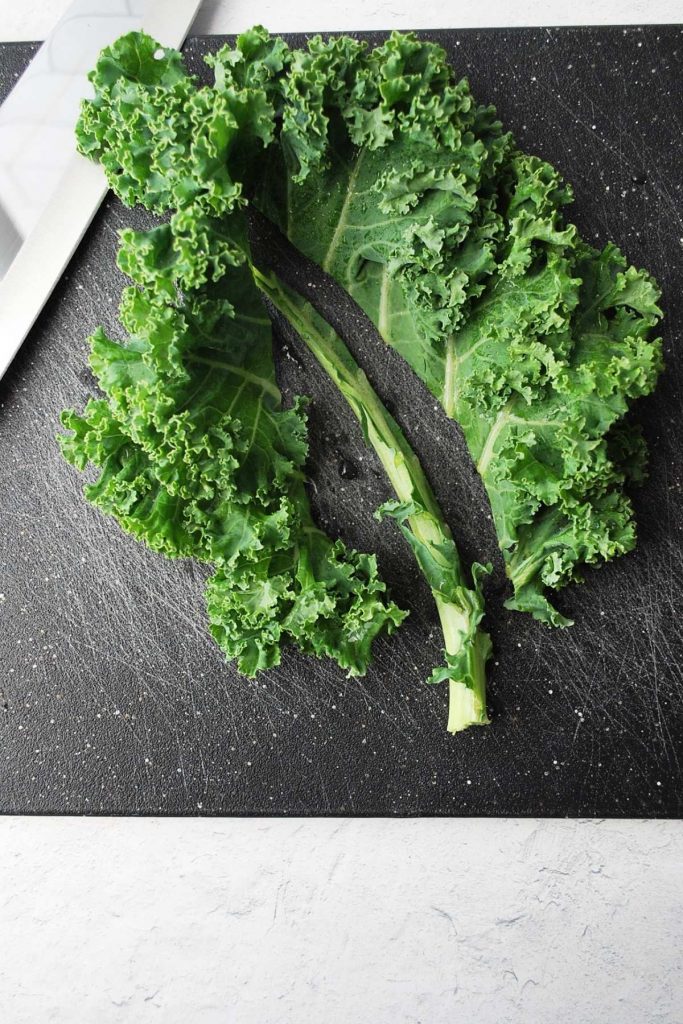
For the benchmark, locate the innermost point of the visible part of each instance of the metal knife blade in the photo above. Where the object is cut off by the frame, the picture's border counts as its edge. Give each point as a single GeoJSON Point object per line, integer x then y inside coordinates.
{"type": "Point", "coordinates": [48, 192]}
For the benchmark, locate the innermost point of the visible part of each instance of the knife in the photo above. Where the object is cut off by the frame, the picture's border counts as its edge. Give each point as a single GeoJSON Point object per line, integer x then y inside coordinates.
{"type": "Point", "coordinates": [49, 193]}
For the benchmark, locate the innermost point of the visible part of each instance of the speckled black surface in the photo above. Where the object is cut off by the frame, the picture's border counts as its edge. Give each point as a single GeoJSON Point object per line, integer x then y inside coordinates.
{"type": "Point", "coordinates": [114, 700]}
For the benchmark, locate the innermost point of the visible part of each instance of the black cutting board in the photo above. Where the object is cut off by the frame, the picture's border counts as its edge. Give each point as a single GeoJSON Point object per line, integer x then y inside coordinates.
{"type": "Point", "coordinates": [114, 700]}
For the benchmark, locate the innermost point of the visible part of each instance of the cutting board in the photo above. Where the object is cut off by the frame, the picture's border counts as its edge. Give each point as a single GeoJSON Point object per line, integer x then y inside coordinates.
{"type": "Point", "coordinates": [114, 700]}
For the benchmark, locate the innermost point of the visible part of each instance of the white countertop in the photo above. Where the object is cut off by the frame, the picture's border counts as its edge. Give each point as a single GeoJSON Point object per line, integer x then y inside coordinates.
{"type": "Point", "coordinates": [264, 921]}
{"type": "Point", "coordinates": [33, 19]}
{"type": "Point", "coordinates": [416, 921]}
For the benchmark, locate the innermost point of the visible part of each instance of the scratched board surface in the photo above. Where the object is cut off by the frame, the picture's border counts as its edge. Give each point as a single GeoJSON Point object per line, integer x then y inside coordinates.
{"type": "Point", "coordinates": [113, 699]}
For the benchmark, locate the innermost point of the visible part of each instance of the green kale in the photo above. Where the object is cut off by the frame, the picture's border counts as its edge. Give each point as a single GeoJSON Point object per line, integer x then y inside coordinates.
{"type": "Point", "coordinates": [379, 165]}
{"type": "Point", "coordinates": [410, 194]}
{"type": "Point", "coordinates": [202, 440]}
{"type": "Point", "coordinates": [198, 459]}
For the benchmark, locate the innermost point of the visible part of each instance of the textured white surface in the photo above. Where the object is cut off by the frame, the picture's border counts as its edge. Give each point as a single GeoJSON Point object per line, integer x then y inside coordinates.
{"type": "Point", "coordinates": [33, 19]}
{"type": "Point", "coordinates": [291, 922]}
{"type": "Point", "coordinates": [385, 922]}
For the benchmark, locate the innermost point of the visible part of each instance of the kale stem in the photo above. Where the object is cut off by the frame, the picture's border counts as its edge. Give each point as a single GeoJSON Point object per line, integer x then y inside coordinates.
{"type": "Point", "coordinates": [466, 700]}
{"type": "Point", "coordinates": [459, 607]}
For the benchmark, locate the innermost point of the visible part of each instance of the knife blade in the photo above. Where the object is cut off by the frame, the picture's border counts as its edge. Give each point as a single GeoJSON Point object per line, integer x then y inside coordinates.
{"type": "Point", "coordinates": [49, 193]}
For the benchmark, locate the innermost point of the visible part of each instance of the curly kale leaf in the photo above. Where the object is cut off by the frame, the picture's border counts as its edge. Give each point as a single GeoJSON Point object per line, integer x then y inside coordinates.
{"type": "Point", "coordinates": [197, 458]}
{"type": "Point", "coordinates": [456, 245]}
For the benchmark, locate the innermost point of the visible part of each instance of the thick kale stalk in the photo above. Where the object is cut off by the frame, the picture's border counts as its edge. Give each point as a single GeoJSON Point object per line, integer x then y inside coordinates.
{"type": "Point", "coordinates": [190, 152]}
{"type": "Point", "coordinates": [416, 510]}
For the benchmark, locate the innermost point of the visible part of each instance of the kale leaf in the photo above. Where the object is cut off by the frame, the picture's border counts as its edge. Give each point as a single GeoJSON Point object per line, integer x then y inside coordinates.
{"type": "Point", "coordinates": [455, 243]}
